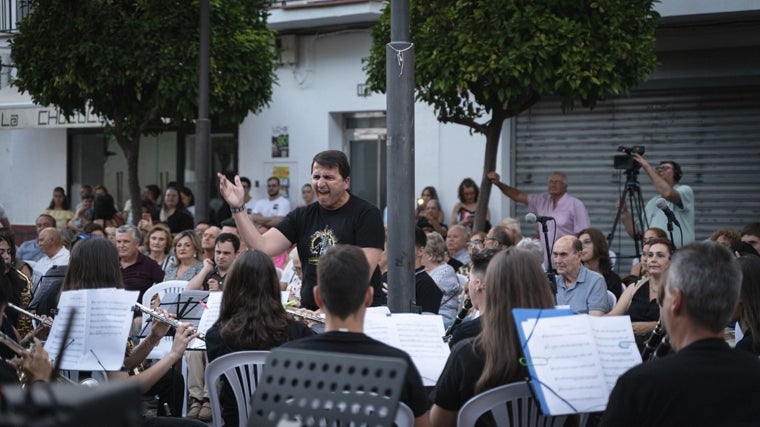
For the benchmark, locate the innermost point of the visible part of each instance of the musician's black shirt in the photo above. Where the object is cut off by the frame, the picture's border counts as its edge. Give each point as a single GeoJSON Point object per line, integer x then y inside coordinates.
{"type": "Point", "coordinates": [468, 329]}
{"type": "Point", "coordinates": [706, 383]}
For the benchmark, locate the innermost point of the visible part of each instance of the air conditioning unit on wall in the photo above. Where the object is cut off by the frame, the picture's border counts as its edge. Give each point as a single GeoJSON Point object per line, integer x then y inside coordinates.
{"type": "Point", "coordinates": [287, 49]}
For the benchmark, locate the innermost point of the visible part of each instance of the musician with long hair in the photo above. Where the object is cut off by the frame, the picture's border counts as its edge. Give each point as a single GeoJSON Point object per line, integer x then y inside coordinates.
{"type": "Point", "coordinates": [251, 317]}
{"type": "Point", "coordinates": [19, 284]}
{"type": "Point", "coordinates": [513, 279]}
{"type": "Point", "coordinates": [94, 264]}
{"type": "Point", "coordinates": [35, 366]}
{"type": "Point", "coordinates": [748, 309]}
{"type": "Point", "coordinates": [639, 301]}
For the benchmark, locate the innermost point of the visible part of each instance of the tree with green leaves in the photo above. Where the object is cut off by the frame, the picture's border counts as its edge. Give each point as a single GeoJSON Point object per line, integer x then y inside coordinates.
{"type": "Point", "coordinates": [479, 62]}
{"type": "Point", "coordinates": [135, 63]}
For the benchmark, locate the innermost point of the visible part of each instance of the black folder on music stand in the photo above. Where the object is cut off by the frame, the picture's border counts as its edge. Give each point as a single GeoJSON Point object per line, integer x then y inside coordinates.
{"type": "Point", "coordinates": [327, 388]}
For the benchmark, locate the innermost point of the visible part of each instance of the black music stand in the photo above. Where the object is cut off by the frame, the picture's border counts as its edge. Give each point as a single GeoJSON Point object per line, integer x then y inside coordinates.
{"type": "Point", "coordinates": [188, 306]}
{"type": "Point", "coordinates": [324, 388]}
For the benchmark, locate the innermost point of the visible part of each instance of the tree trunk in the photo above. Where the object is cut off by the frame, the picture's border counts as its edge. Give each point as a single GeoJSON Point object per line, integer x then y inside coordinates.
{"type": "Point", "coordinates": [493, 134]}
{"type": "Point", "coordinates": [131, 148]}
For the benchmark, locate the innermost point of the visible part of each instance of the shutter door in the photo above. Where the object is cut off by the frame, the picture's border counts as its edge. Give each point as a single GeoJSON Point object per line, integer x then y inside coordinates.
{"type": "Point", "coordinates": [713, 133]}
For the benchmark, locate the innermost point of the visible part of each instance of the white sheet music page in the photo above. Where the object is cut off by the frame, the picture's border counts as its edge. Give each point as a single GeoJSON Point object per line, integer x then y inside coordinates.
{"type": "Point", "coordinates": [99, 332]}
{"type": "Point", "coordinates": [617, 346]}
{"type": "Point", "coordinates": [418, 335]}
{"type": "Point", "coordinates": [578, 358]}
{"type": "Point", "coordinates": [208, 318]}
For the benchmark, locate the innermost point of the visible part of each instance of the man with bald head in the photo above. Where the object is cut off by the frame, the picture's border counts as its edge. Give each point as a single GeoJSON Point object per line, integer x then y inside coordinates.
{"type": "Point", "coordinates": [208, 241]}
{"type": "Point", "coordinates": [30, 249]}
{"type": "Point", "coordinates": [55, 254]}
{"type": "Point", "coordinates": [585, 291]}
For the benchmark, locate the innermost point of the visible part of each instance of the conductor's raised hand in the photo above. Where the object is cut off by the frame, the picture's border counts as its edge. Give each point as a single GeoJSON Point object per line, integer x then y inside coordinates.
{"type": "Point", "coordinates": [233, 193]}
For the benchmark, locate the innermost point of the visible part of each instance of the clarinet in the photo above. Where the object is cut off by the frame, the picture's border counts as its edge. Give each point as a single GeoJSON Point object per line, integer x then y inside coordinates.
{"type": "Point", "coordinates": [652, 346]}
{"type": "Point", "coordinates": [466, 306]}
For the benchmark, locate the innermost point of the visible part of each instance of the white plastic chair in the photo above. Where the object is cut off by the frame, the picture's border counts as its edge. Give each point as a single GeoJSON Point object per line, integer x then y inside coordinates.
{"type": "Point", "coordinates": [510, 405]}
{"type": "Point", "coordinates": [161, 289]}
{"type": "Point", "coordinates": [165, 344]}
{"type": "Point", "coordinates": [404, 416]}
{"type": "Point", "coordinates": [462, 279]}
{"type": "Point", "coordinates": [99, 377]}
{"type": "Point", "coordinates": [612, 299]}
{"type": "Point", "coordinates": [242, 370]}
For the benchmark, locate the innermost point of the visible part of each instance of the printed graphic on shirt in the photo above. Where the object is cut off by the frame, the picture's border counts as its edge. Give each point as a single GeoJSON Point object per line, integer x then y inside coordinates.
{"type": "Point", "coordinates": [321, 241]}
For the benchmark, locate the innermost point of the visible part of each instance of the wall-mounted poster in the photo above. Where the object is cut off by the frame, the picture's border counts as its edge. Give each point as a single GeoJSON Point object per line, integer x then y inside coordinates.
{"type": "Point", "coordinates": [280, 141]}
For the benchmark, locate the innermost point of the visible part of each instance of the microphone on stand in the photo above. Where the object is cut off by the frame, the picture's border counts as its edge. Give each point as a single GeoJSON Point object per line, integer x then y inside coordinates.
{"type": "Point", "coordinates": [662, 204]}
{"type": "Point", "coordinates": [532, 218]}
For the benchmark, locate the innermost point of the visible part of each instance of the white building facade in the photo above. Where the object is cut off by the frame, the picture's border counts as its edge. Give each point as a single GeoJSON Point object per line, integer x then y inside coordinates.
{"type": "Point", "coordinates": [698, 108]}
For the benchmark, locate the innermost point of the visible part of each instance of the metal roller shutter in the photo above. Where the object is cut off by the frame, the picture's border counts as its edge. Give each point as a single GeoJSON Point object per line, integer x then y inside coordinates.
{"type": "Point", "coordinates": [713, 133]}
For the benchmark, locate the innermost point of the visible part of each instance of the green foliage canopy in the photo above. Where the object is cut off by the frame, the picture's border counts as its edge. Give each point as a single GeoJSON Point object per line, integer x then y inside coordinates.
{"type": "Point", "coordinates": [478, 62]}
{"type": "Point", "coordinates": [135, 62]}
{"type": "Point", "coordinates": [477, 57]}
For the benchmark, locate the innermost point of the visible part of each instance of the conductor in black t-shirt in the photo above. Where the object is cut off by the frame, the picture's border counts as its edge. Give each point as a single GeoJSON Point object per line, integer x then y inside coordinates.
{"type": "Point", "coordinates": [337, 217]}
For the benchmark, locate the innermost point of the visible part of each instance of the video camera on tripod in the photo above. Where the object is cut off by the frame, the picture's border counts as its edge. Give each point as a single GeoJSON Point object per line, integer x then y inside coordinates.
{"type": "Point", "coordinates": [631, 196]}
{"type": "Point", "coordinates": [625, 161]}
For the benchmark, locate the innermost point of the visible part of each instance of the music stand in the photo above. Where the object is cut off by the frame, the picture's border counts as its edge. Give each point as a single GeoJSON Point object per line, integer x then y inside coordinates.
{"type": "Point", "coordinates": [325, 388]}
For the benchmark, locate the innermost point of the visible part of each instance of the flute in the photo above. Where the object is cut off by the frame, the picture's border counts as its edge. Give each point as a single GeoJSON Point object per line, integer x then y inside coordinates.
{"type": "Point", "coordinates": [40, 319]}
{"type": "Point", "coordinates": [305, 316]}
{"type": "Point", "coordinates": [162, 318]}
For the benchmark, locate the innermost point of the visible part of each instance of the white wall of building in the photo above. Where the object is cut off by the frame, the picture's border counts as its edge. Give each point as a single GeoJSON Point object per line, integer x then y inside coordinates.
{"type": "Point", "coordinates": [33, 163]}
{"type": "Point", "coordinates": [322, 85]}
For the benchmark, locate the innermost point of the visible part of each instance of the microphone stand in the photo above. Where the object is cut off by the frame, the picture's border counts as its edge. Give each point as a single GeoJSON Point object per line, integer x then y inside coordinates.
{"type": "Point", "coordinates": [550, 271]}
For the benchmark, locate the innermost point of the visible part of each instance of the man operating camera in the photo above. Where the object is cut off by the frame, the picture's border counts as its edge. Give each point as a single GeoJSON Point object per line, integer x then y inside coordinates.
{"type": "Point", "coordinates": [678, 201]}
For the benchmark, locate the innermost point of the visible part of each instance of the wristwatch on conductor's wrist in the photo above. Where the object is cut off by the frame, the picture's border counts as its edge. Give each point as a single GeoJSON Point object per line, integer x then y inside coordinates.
{"type": "Point", "coordinates": [237, 210]}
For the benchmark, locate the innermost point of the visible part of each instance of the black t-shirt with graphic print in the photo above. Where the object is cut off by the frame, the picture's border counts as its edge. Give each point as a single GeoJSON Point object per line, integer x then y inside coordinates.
{"type": "Point", "coordinates": [315, 229]}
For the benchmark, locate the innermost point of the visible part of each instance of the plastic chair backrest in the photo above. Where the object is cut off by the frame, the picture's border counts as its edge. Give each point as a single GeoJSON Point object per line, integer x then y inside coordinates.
{"type": "Point", "coordinates": [611, 299]}
{"type": "Point", "coordinates": [510, 405]}
{"type": "Point", "coordinates": [162, 288]}
{"type": "Point", "coordinates": [326, 388]}
{"type": "Point", "coordinates": [242, 370]}
{"type": "Point", "coordinates": [404, 416]}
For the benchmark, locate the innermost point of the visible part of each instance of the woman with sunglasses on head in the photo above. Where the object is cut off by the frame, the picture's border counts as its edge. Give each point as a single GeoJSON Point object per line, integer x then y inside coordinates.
{"type": "Point", "coordinates": [639, 301]}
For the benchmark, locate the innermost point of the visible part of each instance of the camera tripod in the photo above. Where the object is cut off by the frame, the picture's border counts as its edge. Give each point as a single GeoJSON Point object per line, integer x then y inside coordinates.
{"type": "Point", "coordinates": [635, 203]}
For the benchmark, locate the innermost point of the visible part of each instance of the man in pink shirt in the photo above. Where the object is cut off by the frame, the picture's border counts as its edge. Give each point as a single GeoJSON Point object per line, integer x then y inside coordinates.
{"type": "Point", "coordinates": [569, 213]}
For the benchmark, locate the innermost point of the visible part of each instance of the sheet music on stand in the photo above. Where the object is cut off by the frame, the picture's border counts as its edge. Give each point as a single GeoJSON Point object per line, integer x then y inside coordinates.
{"type": "Point", "coordinates": [188, 306]}
{"type": "Point", "coordinates": [99, 332]}
{"type": "Point", "coordinates": [417, 334]}
{"type": "Point", "coordinates": [574, 360]}
{"type": "Point", "coordinates": [208, 318]}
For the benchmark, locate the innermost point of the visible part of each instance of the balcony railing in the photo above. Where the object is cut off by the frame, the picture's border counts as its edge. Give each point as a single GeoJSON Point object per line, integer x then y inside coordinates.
{"type": "Point", "coordinates": [11, 13]}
